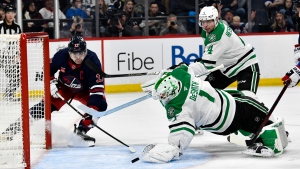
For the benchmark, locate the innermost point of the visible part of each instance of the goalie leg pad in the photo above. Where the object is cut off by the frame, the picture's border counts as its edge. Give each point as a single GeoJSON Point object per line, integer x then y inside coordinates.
{"type": "Point", "coordinates": [160, 153]}
{"type": "Point", "coordinates": [274, 136]}
{"type": "Point", "coordinates": [239, 137]}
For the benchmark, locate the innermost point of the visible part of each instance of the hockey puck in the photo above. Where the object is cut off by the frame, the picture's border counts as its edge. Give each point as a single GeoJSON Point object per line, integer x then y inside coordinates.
{"type": "Point", "coordinates": [135, 160]}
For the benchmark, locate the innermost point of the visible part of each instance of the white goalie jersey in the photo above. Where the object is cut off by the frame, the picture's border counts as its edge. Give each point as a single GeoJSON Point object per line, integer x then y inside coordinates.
{"type": "Point", "coordinates": [198, 104]}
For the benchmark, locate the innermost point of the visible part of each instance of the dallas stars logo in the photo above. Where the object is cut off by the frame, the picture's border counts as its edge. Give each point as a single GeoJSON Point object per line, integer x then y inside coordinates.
{"type": "Point", "coordinates": [171, 112]}
{"type": "Point", "coordinates": [212, 38]}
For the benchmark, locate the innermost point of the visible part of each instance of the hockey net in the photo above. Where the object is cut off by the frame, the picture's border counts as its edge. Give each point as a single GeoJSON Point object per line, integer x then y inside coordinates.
{"type": "Point", "coordinates": [24, 82]}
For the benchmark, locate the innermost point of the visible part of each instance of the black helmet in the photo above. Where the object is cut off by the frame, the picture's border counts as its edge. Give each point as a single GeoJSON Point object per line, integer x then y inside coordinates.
{"type": "Point", "coordinates": [9, 8]}
{"type": "Point", "coordinates": [77, 45]}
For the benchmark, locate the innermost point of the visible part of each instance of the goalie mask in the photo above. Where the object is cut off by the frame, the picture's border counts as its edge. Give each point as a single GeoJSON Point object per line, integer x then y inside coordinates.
{"type": "Point", "coordinates": [77, 49]}
{"type": "Point", "coordinates": [166, 89]}
{"type": "Point", "coordinates": [208, 13]}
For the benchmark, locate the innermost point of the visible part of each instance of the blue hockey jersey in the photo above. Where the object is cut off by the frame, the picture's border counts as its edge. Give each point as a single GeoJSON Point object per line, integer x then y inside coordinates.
{"type": "Point", "coordinates": [80, 78]}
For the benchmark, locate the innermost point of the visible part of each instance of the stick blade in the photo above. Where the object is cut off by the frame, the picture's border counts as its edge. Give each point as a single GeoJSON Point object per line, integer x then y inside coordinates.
{"type": "Point", "coordinates": [132, 149]}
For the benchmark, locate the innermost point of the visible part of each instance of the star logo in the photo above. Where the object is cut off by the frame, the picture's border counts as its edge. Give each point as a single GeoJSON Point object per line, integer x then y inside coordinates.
{"type": "Point", "coordinates": [171, 112]}
{"type": "Point", "coordinates": [212, 37]}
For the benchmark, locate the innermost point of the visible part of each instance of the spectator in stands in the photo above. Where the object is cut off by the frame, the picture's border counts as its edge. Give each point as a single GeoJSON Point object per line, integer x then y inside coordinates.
{"type": "Point", "coordinates": [32, 13]}
{"type": "Point", "coordinates": [76, 10]}
{"type": "Point", "coordinates": [273, 6]}
{"type": "Point", "coordinates": [2, 15]}
{"type": "Point", "coordinates": [154, 25]}
{"type": "Point", "coordinates": [47, 13]}
{"type": "Point", "coordinates": [77, 29]}
{"type": "Point", "coordinates": [119, 27]}
{"type": "Point", "coordinates": [87, 6]}
{"type": "Point", "coordinates": [129, 9]}
{"type": "Point", "coordinates": [237, 26]}
{"type": "Point", "coordinates": [228, 17]}
{"type": "Point", "coordinates": [172, 26]}
{"type": "Point", "coordinates": [280, 25]}
{"type": "Point", "coordinates": [288, 11]}
{"type": "Point", "coordinates": [247, 27]}
{"type": "Point", "coordinates": [103, 18]}
{"type": "Point", "coordinates": [233, 5]}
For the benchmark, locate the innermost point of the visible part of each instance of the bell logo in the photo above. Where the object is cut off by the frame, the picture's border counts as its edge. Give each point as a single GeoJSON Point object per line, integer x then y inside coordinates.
{"type": "Point", "coordinates": [178, 55]}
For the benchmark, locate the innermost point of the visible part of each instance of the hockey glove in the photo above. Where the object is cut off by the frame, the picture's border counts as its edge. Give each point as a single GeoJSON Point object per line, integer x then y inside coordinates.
{"type": "Point", "coordinates": [178, 65]}
{"type": "Point", "coordinates": [160, 153]}
{"type": "Point", "coordinates": [87, 122]}
{"type": "Point", "coordinates": [297, 53]}
{"type": "Point", "coordinates": [53, 88]}
{"type": "Point", "coordinates": [293, 75]}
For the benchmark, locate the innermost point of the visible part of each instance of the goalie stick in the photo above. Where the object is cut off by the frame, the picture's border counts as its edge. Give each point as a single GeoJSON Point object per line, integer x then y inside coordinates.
{"type": "Point", "coordinates": [63, 99]}
{"type": "Point", "coordinates": [251, 142]}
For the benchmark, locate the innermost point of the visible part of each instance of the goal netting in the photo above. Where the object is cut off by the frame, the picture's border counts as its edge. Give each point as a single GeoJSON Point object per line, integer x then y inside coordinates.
{"type": "Point", "coordinates": [24, 82]}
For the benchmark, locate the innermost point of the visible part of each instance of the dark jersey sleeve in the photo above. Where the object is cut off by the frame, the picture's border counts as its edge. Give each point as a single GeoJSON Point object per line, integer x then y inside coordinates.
{"type": "Point", "coordinates": [56, 61]}
{"type": "Point", "coordinates": [96, 85]}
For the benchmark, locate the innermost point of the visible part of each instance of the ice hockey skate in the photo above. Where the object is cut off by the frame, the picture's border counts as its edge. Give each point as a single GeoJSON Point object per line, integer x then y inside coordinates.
{"type": "Point", "coordinates": [258, 149]}
{"type": "Point", "coordinates": [81, 139]}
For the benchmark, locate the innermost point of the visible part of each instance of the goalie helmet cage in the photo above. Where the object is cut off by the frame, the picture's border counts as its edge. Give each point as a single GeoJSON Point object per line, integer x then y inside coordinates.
{"type": "Point", "coordinates": [24, 82]}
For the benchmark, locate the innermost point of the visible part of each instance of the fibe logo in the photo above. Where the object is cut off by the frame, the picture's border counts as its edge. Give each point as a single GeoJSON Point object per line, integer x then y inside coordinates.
{"type": "Point", "coordinates": [178, 53]}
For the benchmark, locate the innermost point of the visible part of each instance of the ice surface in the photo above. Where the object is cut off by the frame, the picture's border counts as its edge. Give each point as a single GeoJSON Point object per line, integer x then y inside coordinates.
{"type": "Point", "coordinates": [146, 123]}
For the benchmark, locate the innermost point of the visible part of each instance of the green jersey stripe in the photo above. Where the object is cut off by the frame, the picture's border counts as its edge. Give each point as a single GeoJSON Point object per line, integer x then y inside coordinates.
{"type": "Point", "coordinates": [237, 68]}
{"type": "Point", "coordinates": [262, 108]}
{"type": "Point", "coordinates": [226, 113]}
{"type": "Point", "coordinates": [183, 128]}
{"type": "Point", "coordinates": [204, 94]}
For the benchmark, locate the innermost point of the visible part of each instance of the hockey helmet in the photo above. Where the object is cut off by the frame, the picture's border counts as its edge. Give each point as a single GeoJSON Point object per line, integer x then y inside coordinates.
{"type": "Point", "coordinates": [208, 13]}
{"type": "Point", "coordinates": [77, 49]}
{"type": "Point", "coordinates": [77, 44]}
{"type": "Point", "coordinates": [9, 8]}
{"type": "Point", "coordinates": [167, 88]}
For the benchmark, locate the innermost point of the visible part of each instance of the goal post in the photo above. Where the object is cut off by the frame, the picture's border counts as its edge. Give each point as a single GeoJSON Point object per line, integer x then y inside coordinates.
{"type": "Point", "coordinates": [24, 83]}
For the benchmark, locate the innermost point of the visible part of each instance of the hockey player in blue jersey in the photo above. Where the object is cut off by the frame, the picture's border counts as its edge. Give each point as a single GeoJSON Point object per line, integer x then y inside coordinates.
{"type": "Point", "coordinates": [75, 81]}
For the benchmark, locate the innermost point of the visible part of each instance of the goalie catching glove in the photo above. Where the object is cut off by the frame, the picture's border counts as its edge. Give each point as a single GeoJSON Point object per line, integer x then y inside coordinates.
{"type": "Point", "coordinates": [293, 75]}
{"type": "Point", "coordinates": [160, 153]}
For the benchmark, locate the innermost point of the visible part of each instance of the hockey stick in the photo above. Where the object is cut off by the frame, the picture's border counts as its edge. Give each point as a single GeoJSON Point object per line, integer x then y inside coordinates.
{"type": "Point", "coordinates": [95, 113]}
{"type": "Point", "coordinates": [221, 66]}
{"type": "Point", "coordinates": [96, 69]}
{"type": "Point", "coordinates": [63, 99]}
{"type": "Point", "coordinates": [250, 142]}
